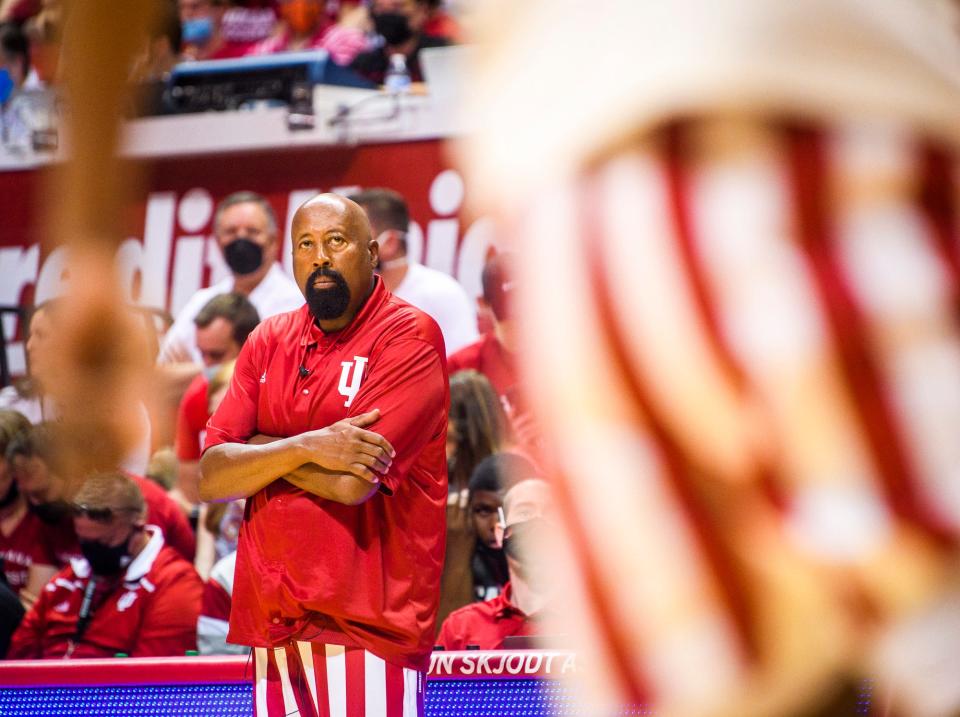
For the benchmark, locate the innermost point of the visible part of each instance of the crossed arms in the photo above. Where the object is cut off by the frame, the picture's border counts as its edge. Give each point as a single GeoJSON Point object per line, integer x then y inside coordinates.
{"type": "Point", "coordinates": [342, 462]}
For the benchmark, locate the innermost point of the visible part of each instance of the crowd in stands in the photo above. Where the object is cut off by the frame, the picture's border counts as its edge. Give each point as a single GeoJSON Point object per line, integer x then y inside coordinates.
{"type": "Point", "coordinates": [129, 561]}
{"type": "Point", "coordinates": [359, 34]}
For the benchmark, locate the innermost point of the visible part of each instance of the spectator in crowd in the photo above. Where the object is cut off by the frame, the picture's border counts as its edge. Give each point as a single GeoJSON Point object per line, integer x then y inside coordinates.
{"type": "Point", "coordinates": [246, 230]}
{"type": "Point", "coordinates": [218, 524]}
{"type": "Point", "coordinates": [32, 457]}
{"type": "Point", "coordinates": [400, 24]}
{"type": "Point", "coordinates": [44, 30]}
{"type": "Point", "coordinates": [214, 621]}
{"type": "Point", "coordinates": [129, 593]}
{"type": "Point", "coordinates": [476, 428]}
{"type": "Point", "coordinates": [15, 70]}
{"type": "Point", "coordinates": [160, 53]}
{"type": "Point", "coordinates": [222, 326]}
{"type": "Point", "coordinates": [20, 529]}
{"type": "Point", "coordinates": [29, 396]}
{"type": "Point", "coordinates": [514, 612]}
{"type": "Point", "coordinates": [15, 74]}
{"type": "Point", "coordinates": [201, 29]}
{"type": "Point", "coordinates": [432, 291]}
{"type": "Point", "coordinates": [494, 353]}
{"type": "Point", "coordinates": [440, 23]}
{"type": "Point", "coordinates": [306, 25]}
{"type": "Point", "coordinates": [162, 468]}
{"type": "Point", "coordinates": [217, 29]}
{"type": "Point", "coordinates": [17, 10]}
{"type": "Point", "coordinates": [488, 483]}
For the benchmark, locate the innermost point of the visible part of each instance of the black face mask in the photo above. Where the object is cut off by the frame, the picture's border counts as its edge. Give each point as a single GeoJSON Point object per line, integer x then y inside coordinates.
{"type": "Point", "coordinates": [517, 544]}
{"type": "Point", "coordinates": [13, 492]}
{"type": "Point", "coordinates": [394, 27]}
{"type": "Point", "coordinates": [326, 304]}
{"type": "Point", "coordinates": [243, 256]}
{"type": "Point", "coordinates": [51, 512]}
{"type": "Point", "coordinates": [105, 560]}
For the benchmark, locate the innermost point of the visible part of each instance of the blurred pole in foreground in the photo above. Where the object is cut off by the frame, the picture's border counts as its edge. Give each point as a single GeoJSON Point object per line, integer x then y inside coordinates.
{"type": "Point", "coordinates": [740, 278]}
{"type": "Point", "coordinates": [101, 361]}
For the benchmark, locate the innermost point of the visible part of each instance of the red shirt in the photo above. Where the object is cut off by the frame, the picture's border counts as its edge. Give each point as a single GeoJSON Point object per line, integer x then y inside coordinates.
{"type": "Point", "coordinates": [17, 550]}
{"type": "Point", "coordinates": [313, 569]}
{"type": "Point", "coordinates": [485, 624]}
{"type": "Point", "coordinates": [192, 417]}
{"type": "Point", "coordinates": [489, 357]}
{"type": "Point", "coordinates": [152, 611]}
{"type": "Point", "coordinates": [59, 545]}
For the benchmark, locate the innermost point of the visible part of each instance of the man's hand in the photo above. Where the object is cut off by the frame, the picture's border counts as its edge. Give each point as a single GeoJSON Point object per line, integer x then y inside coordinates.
{"type": "Point", "coordinates": [346, 447]}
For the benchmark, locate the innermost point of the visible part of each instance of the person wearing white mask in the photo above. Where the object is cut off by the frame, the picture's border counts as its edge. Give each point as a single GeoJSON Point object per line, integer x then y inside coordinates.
{"type": "Point", "coordinates": [432, 291]}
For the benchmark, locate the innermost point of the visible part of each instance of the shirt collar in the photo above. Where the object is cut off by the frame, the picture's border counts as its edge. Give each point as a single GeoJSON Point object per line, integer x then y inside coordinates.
{"type": "Point", "coordinates": [313, 334]}
{"type": "Point", "coordinates": [506, 608]}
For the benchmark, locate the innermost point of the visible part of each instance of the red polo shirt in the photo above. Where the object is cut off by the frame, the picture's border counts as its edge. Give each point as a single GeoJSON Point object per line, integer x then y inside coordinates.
{"type": "Point", "coordinates": [314, 569]}
{"type": "Point", "coordinates": [192, 419]}
{"type": "Point", "coordinates": [151, 611]}
{"type": "Point", "coordinates": [485, 624]}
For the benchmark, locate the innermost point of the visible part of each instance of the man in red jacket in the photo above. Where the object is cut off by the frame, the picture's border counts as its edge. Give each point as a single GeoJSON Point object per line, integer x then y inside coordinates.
{"type": "Point", "coordinates": [341, 549]}
{"type": "Point", "coordinates": [32, 458]}
{"type": "Point", "coordinates": [129, 593]}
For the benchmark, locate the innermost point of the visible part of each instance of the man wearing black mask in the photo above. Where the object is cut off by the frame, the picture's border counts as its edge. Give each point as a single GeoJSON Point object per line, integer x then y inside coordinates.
{"type": "Point", "coordinates": [400, 23]}
{"type": "Point", "coordinates": [246, 231]}
{"type": "Point", "coordinates": [130, 593]}
{"type": "Point", "coordinates": [32, 459]}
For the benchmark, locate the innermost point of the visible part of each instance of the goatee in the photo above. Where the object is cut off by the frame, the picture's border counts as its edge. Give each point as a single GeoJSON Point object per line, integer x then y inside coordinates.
{"type": "Point", "coordinates": [331, 302]}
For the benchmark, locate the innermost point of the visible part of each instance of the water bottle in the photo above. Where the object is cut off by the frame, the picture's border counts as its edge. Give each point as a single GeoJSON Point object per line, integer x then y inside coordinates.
{"type": "Point", "coordinates": [397, 79]}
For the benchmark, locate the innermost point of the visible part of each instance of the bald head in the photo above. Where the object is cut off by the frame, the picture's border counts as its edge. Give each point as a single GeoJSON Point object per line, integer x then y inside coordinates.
{"type": "Point", "coordinates": [329, 204]}
{"type": "Point", "coordinates": [333, 258]}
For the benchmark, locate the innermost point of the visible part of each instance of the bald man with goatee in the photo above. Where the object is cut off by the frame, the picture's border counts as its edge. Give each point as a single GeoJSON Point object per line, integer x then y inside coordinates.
{"type": "Point", "coordinates": [334, 429]}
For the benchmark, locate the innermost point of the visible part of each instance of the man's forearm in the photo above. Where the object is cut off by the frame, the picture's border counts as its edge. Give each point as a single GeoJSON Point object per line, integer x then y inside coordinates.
{"type": "Point", "coordinates": [232, 471]}
{"type": "Point", "coordinates": [339, 487]}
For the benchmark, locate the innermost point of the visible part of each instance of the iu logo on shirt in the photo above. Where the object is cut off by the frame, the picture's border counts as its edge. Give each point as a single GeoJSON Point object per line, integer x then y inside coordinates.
{"type": "Point", "coordinates": [351, 374]}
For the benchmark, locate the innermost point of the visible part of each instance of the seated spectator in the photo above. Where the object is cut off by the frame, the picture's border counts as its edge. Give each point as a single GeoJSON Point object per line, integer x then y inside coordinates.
{"type": "Point", "coordinates": [30, 397]}
{"type": "Point", "coordinates": [494, 354]}
{"type": "Point", "coordinates": [20, 529]}
{"type": "Point", "coordinates": [305, 25]}
{"type": "Point", "coordinates": [222, 326]}
{"type": "Point", "coordinates": [485, 625]}
{"type": "Point", "coordinates": [400, 25]}
{"type": "Point", "coordinates": [214, 621]}
{"type": "Point", "coordinates": [200, 29]}
{"type": "Point", "coordinates": [440, 23]}
{"type": "Point", "coordinates": [476, 428]}
{"type": "Point", "coordinates": [151, 68]}
{"type": "Point", "coordinates": [432, 291]}
{"type": "Point", "coordinates": [32, 457]}
{"type": "Point", "coordinates": [15, 74]}
{"type": "Point", "coordinates": [246, 230]}
{"type": "Point", "coordinates": [487, 484]}
{"type": "Point", "coordinates": [129, 593]}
